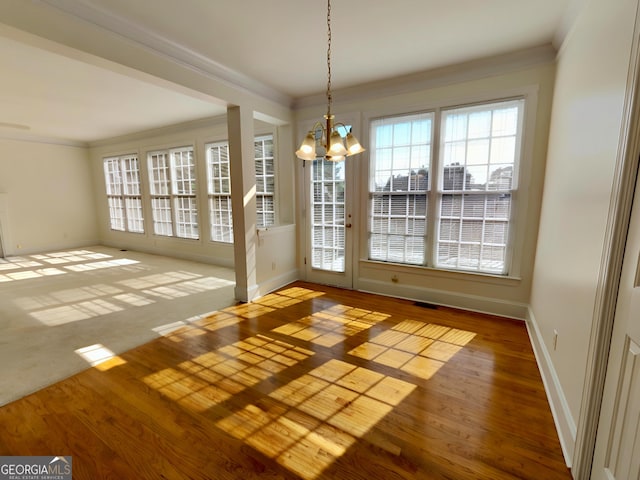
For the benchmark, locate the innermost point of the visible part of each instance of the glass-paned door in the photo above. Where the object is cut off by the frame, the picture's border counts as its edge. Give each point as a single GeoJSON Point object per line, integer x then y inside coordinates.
{"type": "Point", "coordinates": [329, 245]}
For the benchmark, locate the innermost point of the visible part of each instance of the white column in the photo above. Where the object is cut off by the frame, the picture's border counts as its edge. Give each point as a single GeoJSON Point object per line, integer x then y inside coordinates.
{"type": "Point", "coordinates": [243, 199]}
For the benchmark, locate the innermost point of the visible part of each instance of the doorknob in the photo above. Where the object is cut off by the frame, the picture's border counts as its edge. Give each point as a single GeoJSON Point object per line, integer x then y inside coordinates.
{"type": "Point", "coordinates": [347, 225]}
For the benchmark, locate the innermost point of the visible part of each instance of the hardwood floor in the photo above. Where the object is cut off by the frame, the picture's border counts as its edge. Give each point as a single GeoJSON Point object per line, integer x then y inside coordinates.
{"type": "Point", "coordinates": [309, 382]}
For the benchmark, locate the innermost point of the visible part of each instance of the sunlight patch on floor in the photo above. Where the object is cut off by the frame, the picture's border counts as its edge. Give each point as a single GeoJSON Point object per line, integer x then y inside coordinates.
{"type": "Point", "coordinates": [168, 329]}
{"type": "Point", "coordinates": [27, 267]}
{"type": "Point", "coordinates": [211, 378]}
{"type": "Point", "coordinates": [76, 304]}
{"type": "Point", "coordinates": [100, 357]}
{"type": "Point", "coordinates": [75, 312]}
{"type": "Point", "coordinates": [70, 256]}
{"type": "Point", "coordinates": [217, 321]}
{"type": "Point", "coordinates": [287, 297]}
{"type": "Point", "coordinates": [331, 326]}
{"type": "Point", "coordinates": [308, 423]}
{"type": "Point", "coordinates": [414, 347]}
{"type": "Point", "coordinates": [248, 310]}
{"type": "Point", "coordinates": [85, 267]}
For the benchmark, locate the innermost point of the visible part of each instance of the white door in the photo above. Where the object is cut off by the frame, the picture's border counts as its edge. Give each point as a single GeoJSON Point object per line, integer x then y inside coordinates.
{"type": "Point", "coordinates": [617, 454]}
{"type": "Point", "coordinates": [329, 221]}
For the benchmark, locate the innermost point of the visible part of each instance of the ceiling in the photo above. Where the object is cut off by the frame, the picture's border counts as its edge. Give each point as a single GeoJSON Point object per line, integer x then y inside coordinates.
{"type": "Point", "coordinates": [280, 45]}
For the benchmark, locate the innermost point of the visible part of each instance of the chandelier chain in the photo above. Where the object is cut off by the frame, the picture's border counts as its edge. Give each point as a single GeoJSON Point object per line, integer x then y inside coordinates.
{"type": "Point", "coordinates": [336, 146]}
{"type": "Point", "coordinates": [329, 98]}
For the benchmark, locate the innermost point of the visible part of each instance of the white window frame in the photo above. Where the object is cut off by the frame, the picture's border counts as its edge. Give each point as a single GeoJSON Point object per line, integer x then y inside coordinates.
{"type": "Point", "coordinates": [396, 215]}
{"type": "Point", "coordinates": [265, 181]}
{"type": "Point", "coordinates": [219, 186]}
{"type": "Point", "coordinates": [436, 192]}
{"type": "Point", "coordinates": [327, 215]}
{"type": "Point", "coordinates": [219, 192]}
{"type": "Point", "coordinates": [173, 192]}
{"type": "Point", "coordinates": [124, 194]}
{"type": "Point", "coordinates": [496, 199]}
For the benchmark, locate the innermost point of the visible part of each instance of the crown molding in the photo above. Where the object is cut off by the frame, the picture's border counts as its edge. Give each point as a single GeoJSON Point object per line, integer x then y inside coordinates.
{"type": "Point", "coordinates": [162, 131]}
{"type": "Point", "coordinates": [467, 71]}
{"type": "Point", "coordinates": [174, 51]}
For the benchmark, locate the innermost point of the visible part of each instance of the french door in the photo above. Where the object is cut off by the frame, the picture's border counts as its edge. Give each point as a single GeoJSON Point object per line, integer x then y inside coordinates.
{"type": "Point", "coordinates": [329, 222]}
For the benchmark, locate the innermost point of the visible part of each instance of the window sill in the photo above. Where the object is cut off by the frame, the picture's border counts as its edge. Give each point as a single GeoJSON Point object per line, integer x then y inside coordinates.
{"type": "Point", "coordinates": [503, 280]}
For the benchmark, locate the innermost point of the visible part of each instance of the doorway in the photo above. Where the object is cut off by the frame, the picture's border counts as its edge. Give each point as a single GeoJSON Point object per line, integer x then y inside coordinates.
{"type": "Point", "coordinates": [329, 226]}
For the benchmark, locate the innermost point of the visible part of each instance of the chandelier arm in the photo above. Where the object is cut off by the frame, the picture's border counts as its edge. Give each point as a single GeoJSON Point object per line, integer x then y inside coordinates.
{"type": "Point", "coordinates": [317, 126]}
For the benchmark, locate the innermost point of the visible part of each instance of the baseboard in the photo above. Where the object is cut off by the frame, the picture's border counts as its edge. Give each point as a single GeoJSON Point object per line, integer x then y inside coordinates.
{"type": "Point", "coordinates": [463, 301]}
{"type": "Point", "coordinates": [565, 425]}
{"type": "Point", "coordinates": [51, 247]}
{"type": "Point", "coordinates": [200, 257]}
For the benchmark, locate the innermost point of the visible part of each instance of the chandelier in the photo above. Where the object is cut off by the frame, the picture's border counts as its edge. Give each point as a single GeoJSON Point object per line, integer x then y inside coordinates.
{"type": "Point", "coordinates": [325, 134]}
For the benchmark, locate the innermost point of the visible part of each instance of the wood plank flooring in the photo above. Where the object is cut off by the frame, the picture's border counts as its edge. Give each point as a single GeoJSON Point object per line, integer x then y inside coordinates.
{"type": "Point", "coordinates": [309, 382]}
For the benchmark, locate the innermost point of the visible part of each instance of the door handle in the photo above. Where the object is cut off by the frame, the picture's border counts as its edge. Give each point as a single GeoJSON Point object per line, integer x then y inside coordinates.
{"type": "Point", "coordinates": [347, 225]}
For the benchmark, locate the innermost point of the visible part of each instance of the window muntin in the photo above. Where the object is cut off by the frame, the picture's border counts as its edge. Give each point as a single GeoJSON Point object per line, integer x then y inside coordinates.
{"type": "Point", "coordinates": [470, 198]}
{"type": "Point", "coordinates": [219, 187]}
{"type": "Point", "coordinates": [122, 180]}
{"type": "Point", "coordinates": [172, 176]}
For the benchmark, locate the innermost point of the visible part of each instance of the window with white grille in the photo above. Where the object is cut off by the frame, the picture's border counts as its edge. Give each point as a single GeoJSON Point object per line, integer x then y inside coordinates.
{"type": "Point", "coordinates": [219, 187]}
{"type": "Point", "coordinates": [460, 217]}
{"type": "Point", "coordinates": [327, 205]}
{"type": "Point", "coordinates": [172, 177]}
{"type": "Point", "coordinates": [399, 186]}
{"type": "Point", "coordinates": [219, 191]}
{"type": "Point", "coordinates": [122, 179]}
{"type": "Point", "coordinates": [477, 182]}
{"type": "Point", "coordinates": [265, 181]}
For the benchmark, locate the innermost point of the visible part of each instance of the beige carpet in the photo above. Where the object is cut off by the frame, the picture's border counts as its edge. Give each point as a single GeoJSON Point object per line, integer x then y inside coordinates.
{"type": "Point", "coordinates": [62, 311]}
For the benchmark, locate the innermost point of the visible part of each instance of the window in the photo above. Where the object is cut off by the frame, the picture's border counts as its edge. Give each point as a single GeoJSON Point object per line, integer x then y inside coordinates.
{"type": "Point", "coordinates": [327, 215]}
{"type": "Point", "coordinates": [399, 188]}
{"type": "Point", "coordinates": [219, 191]}
{"type": "Point", "coordinates": [172, 175]}
{"type": "Point", "coordinates": [219, 187]}
{"type": "Point", "coordinates": [460, 217]}
{"type": "Point", "coordinates": [122, 179]}
{"type": "Point", "coordinates": [265, 178]}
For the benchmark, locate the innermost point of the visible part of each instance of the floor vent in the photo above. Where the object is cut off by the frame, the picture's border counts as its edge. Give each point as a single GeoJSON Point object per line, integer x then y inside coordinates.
{"type": "Point", "coordinates": [426, 305]}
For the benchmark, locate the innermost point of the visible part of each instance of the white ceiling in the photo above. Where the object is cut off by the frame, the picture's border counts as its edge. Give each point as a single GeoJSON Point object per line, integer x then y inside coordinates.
{"type": "Point", "coordinates": [279, 44]}
{"type": "Point", "coordinates": [49, 95]}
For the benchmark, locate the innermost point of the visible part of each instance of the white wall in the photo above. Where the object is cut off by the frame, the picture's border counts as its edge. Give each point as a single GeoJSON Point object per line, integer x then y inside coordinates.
{"type": "Point", "coordinates": [49, 197]}
{"type": "Point", "coordinates": [585, 131]}
{"type": "Point", "coordinates": [483, 81]}
{"type": "Point", "coordinates": [275, 258]}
